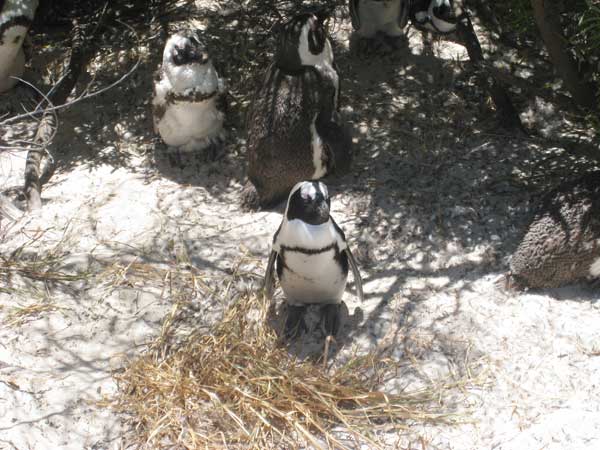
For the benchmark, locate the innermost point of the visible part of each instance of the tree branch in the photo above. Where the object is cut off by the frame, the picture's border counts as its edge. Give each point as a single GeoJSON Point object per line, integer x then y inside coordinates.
{"type": "Point", "coordinates": [509, 118]}
{"type": "Point", "coordinates": [547, 17]}
{"type": "Point", "coordinates": [78, 59]}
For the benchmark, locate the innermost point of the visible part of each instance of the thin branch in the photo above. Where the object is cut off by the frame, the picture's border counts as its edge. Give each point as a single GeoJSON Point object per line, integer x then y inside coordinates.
{"type": "Point", "coordinates": [85, 95]}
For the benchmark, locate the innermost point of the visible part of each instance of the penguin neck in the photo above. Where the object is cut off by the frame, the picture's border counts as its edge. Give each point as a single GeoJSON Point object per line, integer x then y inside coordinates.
{"type": "Point", "coordinates": [296, 233]}
{"type": "Point", "coordinates": [322, 63]}
{"type": "Point", "coordinates": [195, 77]}
{"type": "Point", "coordinates": [291, 70]}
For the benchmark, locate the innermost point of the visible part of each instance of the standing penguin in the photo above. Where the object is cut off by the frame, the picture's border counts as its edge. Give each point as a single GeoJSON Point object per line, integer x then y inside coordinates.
{"type": "Point", "coordinates": [385, 16]}
{"type": "Point", "coordinates": [562, 242]}
{"type": "Point", "coordinates": [389, 17]}
{"type": "Point", "coordinates": [16, 17]}
{"type": "Point", "coordinates": [312, 257]}
{"type": "Point", "coordinates": [189, 97]}
{"type": "Point", "coordinates": [293, 128]}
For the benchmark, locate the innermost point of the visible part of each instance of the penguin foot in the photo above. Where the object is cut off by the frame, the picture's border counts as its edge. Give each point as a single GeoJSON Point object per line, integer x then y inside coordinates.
{"type": "Point", "coordinates": [394, 42]}
{"type": "Point", "coordinates": [175, 159]}
{"type": "Point", "coordinates": [212, 152]}
{"type": "Point", "coordinates": [294, 323]}
{"type": "Point", "coordinates": [331, 319]}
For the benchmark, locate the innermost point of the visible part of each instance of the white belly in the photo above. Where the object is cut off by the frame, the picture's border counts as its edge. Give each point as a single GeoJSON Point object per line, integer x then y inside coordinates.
{"type": "Point", "coordinates": [12, 59]}
{"type": "Point", "coordinates": [191, 125]}
{"type": "Point", "coordinates": [310, 279]}
{"type": "Point", "coordinates": [317, 148]}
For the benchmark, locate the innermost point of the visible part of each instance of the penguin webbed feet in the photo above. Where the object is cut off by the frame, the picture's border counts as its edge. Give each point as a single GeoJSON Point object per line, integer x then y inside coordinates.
{"type": "Point", "coordinates": [294, 324]}
{"type": "Point", "coordinates": [394, 42]}
{"type": "Point", "coordinates": [331, 319]}
{"type": "Point", "coordinates": [175, 159]}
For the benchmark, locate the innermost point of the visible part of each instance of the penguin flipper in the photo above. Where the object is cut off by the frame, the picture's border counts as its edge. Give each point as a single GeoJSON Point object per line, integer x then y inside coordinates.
{"type": "Point", "coordinates": [269, 286]}
{"type": "Point", "coordinates": [354, 14]}
{"type": "Point", "coordinates": [403, 14]}
{"type": "Point", "coordinates": [355, 274]}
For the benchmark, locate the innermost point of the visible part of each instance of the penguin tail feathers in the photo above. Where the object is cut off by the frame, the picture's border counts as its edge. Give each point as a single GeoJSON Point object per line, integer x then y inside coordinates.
{"type": "Point", "coordinates": [250, 200]}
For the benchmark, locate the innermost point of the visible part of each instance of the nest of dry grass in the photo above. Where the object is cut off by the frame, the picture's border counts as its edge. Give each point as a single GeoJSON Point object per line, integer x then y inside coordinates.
{"type": "Point", "coordinates": [237, 386]}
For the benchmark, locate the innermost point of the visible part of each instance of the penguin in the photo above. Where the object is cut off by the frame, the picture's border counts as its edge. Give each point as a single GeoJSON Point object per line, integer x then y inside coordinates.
{"type": "Point", "coordinates": [434, 15]}
{"type": "Point", "coordinates": [386, 16]}
{"type": "Point", "coordinates": [16, 17]}
{"type": "Point", "coordinates": [562, 242]}
{"type": "Point", "coordinates": [189, 97]}
{"type": "Point", "coordinates": [311, 257]}
{"type": "Point", "coordinates": [293, 128]}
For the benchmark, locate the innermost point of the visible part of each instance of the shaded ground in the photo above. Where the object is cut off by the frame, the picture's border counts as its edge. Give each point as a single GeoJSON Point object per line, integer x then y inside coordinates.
{"type": "Point", "coordinates": [433, 208]}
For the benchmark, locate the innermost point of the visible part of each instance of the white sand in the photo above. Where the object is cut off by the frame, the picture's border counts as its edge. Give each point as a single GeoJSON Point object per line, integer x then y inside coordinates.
{"type": "Point", "coordinates": [431, 208]}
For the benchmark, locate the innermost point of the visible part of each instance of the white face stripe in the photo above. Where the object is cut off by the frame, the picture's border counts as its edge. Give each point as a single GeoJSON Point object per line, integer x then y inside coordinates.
{"type": "Point", "coordinates": [309, 59]}
{"type": "Point", "coordinates": [174, 41]}
{"type": "Point", "coordinates": [323, 190]}
{"type": "Point", "coordinates": [595, 269]}
{"type": "Point", "coordinates": [322, 61]}
{"type": "Point", "coordinates": [308, 190]}
{"type": "Point", "coordinates": [294, 189]}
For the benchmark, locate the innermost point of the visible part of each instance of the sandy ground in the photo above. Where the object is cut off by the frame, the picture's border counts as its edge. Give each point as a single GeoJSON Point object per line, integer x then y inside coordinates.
{"type": "Point", "coordinates": [433, 207]}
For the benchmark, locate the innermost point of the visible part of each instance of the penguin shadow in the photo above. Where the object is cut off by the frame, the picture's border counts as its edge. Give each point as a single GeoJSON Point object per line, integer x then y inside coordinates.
{"type": "Point", "coordinates": [208, 168]}
{"type": "Point", "coordinates": [380, 45]}
{"type": "Point", "coordinates": [309, 341]}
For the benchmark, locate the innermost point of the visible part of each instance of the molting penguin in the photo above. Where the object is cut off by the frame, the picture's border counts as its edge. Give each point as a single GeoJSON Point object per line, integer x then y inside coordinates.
{"type": "Point", "coordinates": [562, 242]}
{"type": "Point", "coordinates": [312, 257]}
{"type": "Point", "coordinates": [385, 16]}
{"type": "Point", "coordinates": [293, 128]}
{"type": "Point", "coordinates": [189, 96]}
{"type": "Point", "coordinates": [434, 15]}
{"type": "Point", "coordinates": [16, 17]}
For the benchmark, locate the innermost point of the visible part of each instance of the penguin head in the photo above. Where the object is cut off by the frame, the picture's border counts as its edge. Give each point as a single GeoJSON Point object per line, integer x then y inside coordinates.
{"type": "Point", "coordinates": [303, 42]}
{"type": "Point", "coordinates": [184, 48]}
{"type": "Point", "coordinates": [442, 15]}
{"type": "Point", "coordinates": [309, 202]}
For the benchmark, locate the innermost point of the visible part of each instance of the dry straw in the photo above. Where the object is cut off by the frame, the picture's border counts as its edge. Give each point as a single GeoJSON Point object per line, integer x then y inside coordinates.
{"type": "Point", "coordinates": [238, 387]}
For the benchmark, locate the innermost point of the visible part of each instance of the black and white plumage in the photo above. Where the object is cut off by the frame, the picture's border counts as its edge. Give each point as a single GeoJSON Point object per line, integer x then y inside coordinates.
{"type": "Point", "coordinates": [188, 104]}
{"type": "Point", "coordinates": [293, 128]}
{"type": "Point", "coordinates": [434, 15]}
{"type": "Point", "coordinates": [390, 17]}
{"type": "Point", "coordinates": [16, 17]}
{"type": "Point", "coordinates": [386, 16]}
{"type": "Point", "coordinates": [311, 255]}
